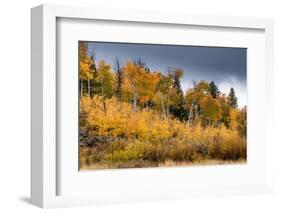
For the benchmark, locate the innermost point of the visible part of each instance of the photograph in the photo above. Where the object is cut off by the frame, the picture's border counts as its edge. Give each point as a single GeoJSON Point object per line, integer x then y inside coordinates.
{"type": "Point", "coordinates": [161, 105]}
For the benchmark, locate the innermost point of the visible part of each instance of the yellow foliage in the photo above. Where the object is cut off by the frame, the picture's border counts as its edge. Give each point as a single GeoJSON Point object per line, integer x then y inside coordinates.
{"type": "Point", "coordinates": [112, 118]}
{"type": "Point", "coordinates": [233, 119]}
{"type": "Point", "coordinates": [144, 137]}
{"type": "Point", "coordinates": [85, 62]}
{"type": "Point", "coordinates": [138, 81]}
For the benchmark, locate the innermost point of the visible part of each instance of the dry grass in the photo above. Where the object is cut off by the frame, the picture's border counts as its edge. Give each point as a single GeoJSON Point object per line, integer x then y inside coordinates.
{"type": "Point", "coordinates": [168, 163]}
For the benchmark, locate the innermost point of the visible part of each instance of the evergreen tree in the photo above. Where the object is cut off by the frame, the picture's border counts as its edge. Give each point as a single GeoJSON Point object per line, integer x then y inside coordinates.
{"type": "Point", "coordinates": [118, 78]}
{"type": "Point", "coordinates": [232, 99]}
{"type": "Point", "coordinates": [178, 109]}
{"type": "Point", "coordinates": [225, 119]}
{"type": "Point", "coordinates": [214, 89]}
{"type": "Point", "coordinates": [95, 87]}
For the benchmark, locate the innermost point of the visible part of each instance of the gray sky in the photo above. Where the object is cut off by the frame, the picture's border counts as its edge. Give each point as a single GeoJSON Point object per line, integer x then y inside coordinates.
{"type": "Point", "coordinates": [225, 66]}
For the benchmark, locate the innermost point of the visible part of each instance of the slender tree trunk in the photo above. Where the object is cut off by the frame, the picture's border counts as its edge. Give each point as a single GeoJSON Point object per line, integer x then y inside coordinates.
{"type": "Point", "coordinates": [104, 107]}
{"type": "Point", "coordinates": [89, 87]}
{"type": "Point", "coordinates": [168, 107]}
{"type": "Point", "coordinates": [102, 91]}
{"type": "Point", "coordinates": [190, 113]}
{"type": "Point", "coordinates": [102, 86]}
{"type": "Point", "coordinates": [163, 107]}
{"type": "Point", "coordinates": [102, 94]}
{"type": "Point", "coordinates": [81, 88]}
{"type": "Point", "coordinates": [135, 101]}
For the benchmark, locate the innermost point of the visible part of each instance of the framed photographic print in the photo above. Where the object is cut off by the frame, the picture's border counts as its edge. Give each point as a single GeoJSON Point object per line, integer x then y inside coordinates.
{"type": "Point", "coordinates": [135, 106]}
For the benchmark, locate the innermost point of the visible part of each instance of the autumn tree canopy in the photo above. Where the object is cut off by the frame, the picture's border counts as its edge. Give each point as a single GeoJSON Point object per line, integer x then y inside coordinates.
{"type": "Point", "coordinates": [133, 82]}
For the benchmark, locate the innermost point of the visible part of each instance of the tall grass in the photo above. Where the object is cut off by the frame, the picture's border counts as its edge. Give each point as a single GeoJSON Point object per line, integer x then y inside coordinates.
{"type": "Point", "coordinates": [198, 147]}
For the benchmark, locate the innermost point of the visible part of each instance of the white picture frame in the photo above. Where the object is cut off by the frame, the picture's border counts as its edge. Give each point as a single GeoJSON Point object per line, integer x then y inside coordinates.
{"type": "Point", "coordinates": [45, 168]}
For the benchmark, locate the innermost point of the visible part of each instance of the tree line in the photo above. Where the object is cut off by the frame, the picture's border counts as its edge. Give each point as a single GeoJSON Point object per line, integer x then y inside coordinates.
{"type": "Point", "coordinates": [133, 82]}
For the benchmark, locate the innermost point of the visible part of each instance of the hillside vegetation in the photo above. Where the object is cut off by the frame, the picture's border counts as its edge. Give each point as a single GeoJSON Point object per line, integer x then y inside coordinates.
{"type": "Point", "coordinates": [131, 116]}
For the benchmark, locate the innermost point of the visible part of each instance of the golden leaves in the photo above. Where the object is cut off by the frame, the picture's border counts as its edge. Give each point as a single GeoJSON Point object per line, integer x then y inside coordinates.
{"type": "Point", "coordinates": [144, 124]}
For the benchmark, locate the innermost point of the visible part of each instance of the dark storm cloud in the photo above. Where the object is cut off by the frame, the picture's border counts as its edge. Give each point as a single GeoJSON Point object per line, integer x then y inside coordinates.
{"type": "Point", "coordinates": [225, 66]}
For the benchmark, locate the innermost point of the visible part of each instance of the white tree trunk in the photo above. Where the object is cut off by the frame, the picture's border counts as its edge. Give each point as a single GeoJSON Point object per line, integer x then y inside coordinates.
{"type": "Point", "coordinates": [102, 86]}
{"type": "Point", "coordinates": [135, 101]}
{"type": "Point", "coordinates": [190, 115]}
{"type": "Point", "coordinates": [163, 107]}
